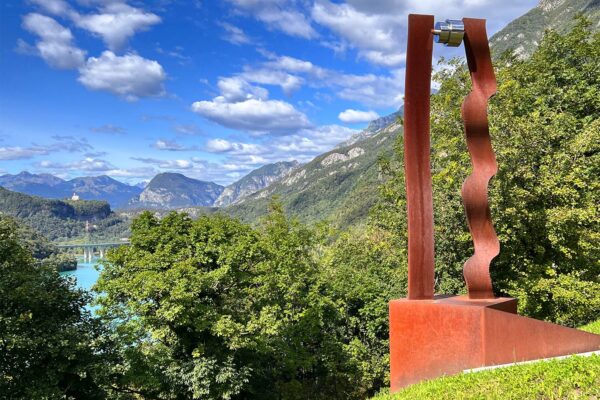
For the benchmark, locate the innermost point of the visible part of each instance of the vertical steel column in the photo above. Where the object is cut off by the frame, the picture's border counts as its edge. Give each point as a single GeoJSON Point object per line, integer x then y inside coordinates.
{"type": "Point", "coordinates": [416, 157]}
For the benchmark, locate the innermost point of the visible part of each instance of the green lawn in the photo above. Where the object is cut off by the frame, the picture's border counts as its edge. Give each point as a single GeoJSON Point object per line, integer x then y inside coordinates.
{"type": "Point", "coordinates": [571, 378]}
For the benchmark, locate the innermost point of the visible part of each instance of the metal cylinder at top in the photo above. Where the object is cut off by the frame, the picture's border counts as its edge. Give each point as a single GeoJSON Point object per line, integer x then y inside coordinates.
{"type": "Point", "coordinates": [449, 32]}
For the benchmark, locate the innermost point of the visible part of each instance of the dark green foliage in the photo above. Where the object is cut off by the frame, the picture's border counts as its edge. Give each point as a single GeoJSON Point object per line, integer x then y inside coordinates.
{"type": "Point", "coordinates": [213, 308]}
{"type": "Point", "coordinates": [48, 343]}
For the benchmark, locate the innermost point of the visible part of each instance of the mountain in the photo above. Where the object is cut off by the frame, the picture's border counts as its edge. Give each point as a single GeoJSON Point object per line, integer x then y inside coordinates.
{"type": "Point", "coordinates": [102, 187]}
{"type": "Point", "coordinates": [172, 190]}
{"type": "Point", "coordinates": [44, 185]}
{"type": "Point", "coordinates": [255, 181]}
{"type": "Point", "coordinates": [340, 185]}
{"type": "Point", "coordinates": [522, 35]}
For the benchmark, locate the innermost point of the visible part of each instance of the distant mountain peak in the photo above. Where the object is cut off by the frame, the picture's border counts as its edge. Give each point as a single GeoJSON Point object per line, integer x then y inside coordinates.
{"type": "Point", "coordinates": [169, 190]}
{"type": "Point", "coordinates": [255, 181]}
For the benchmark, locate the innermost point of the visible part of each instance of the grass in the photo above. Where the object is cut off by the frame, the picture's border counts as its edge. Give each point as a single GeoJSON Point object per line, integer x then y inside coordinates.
{"type": "Point", "coordinates": [570, 378]}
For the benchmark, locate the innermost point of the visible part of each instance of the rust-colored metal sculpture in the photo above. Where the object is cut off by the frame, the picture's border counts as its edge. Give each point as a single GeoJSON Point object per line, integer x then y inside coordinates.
{"type": "Point", "coordinates": [474, 191]}
{"type": "Point", "coordinates": [432, 335]}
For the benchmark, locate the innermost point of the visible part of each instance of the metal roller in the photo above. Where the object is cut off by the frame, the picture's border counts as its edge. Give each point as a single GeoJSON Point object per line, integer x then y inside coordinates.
{"type": "Point", "coordinates": [450, 32]}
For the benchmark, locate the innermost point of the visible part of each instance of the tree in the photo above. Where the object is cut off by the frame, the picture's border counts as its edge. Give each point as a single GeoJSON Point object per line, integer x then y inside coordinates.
{"type": "Point", "coordinates": [46, 336]}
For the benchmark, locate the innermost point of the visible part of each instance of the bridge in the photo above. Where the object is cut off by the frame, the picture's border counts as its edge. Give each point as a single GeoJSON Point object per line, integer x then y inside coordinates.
{"type": "Point", "coordinates": [89, 249]}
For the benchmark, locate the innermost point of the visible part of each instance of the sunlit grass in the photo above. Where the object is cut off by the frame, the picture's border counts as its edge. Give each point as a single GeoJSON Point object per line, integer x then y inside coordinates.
{"type": "Point", "coordinates": [571, 378]}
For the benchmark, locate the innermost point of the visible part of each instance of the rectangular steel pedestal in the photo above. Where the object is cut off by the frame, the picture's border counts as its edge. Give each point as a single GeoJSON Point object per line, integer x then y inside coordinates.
{"type": "Point", "coordinates": [446, 335]}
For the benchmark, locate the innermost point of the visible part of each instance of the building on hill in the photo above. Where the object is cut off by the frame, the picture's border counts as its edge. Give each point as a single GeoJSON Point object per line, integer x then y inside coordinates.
{"type": "Point", "coordinates": [75, 197]}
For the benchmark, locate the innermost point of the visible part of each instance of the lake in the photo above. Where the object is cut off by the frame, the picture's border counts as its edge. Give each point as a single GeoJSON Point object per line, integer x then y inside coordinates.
{"type": "Point", "coordinates": [85, 274]}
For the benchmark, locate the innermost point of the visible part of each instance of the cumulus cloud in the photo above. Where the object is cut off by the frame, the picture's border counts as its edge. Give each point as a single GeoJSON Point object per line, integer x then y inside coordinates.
{"type": "Point", "coordinates": [278, 15]}
{"type": "Point", "coordinates": [237, 89]}
{"type": "Point", "coordinates": [56, 42]}
{"type": "Point", "coordinates": [129, 76]}
{"type": "Point", "coordinates": [234, 35]}
{"type": "Point", "coordinates": [253, 115]}
{"type": "Point", "coordinates": [226, 146]}
{"type": "Point", "coordinates": [116, 23]}
{"type": "Point", "coordinates": [354, 116]}
{"type": "Point", "coordinates": [268, 76]}
{"type": "Point", "coordinates": [378, 37]}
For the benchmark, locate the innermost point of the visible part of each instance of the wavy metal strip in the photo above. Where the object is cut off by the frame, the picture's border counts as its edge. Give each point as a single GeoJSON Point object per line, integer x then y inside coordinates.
{"type": "Point", "coordinates": [475, 188]}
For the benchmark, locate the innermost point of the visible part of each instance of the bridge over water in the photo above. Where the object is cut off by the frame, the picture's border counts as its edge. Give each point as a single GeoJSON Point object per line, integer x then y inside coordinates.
{"type": "Point", "coordinates": [89, 249]}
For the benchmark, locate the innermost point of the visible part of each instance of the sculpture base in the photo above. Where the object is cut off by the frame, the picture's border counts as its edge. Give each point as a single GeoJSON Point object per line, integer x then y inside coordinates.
{"type": "Point", "coordinates": [446, 335]}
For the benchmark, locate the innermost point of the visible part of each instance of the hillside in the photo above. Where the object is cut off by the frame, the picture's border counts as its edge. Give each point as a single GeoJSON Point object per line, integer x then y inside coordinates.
{"type": "Point", "coordinates": [523, 34]}
{"type": "Point", "coordinates": [172, 190]}
{"type": "Point", "coordinates": [340, 185]}
{"type": "Point", "coordinates": [253, 182]}
{"type": "Point", "coordinates": [63, 220]}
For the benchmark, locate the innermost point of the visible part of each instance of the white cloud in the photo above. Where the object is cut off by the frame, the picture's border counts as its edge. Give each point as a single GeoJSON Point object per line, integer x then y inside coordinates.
{"type": "Point", "coordinates": [253, 115]}
{"type": "Point", "coordinates": [354, 116]}
{"type": "Point", "coordinates": [279, 15]}
{"type": "Point", "coordinates": [56, 7]}
{"type": "Point", "coordinates": [378, 37]}
{"type": "Point", "coordinates": [116, 23]}
{"type": "Point", "coordinates": [56, 42]}
{"type": "Point", "coordinates": [225, 146]}
{"type": "Point", "coordinates": [234, 35]}
{"type": "Point", "coordinates": [129, 76]}
{"type": "Point", "coordinates": [237, 89]}
{"type": "Point", "coordinates": [288, 82]}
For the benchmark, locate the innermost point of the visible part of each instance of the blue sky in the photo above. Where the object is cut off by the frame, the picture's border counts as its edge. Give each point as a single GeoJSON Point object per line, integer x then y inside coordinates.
{"type": "Point", "coordinates": [210, 89]}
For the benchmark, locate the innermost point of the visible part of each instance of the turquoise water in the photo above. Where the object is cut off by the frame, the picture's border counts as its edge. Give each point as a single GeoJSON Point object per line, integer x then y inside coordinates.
{"type": "Point", "coordinates": [86, 274]}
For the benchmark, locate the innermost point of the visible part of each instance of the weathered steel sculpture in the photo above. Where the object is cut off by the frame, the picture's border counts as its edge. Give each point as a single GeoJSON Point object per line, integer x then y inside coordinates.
{"type": "Point", "coordinates": [436, 335]}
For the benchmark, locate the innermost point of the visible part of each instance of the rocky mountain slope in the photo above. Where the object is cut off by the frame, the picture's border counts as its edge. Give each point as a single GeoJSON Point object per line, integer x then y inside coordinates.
{"type": "Point", "coordinates": [340, 185]}
{"type": "Point", "coordinates": [171, 190]}
{"type": "Point", "coordinates": [523, 34]}
{"type": "Point", "coordinates": [255, 181]}
{"type": "Point", "coordinates": [49, 186]}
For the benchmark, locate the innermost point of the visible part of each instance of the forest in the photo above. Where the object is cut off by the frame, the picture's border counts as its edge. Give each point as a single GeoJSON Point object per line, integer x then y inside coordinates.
{"type": "Point", "coordinates": [215, 308]}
